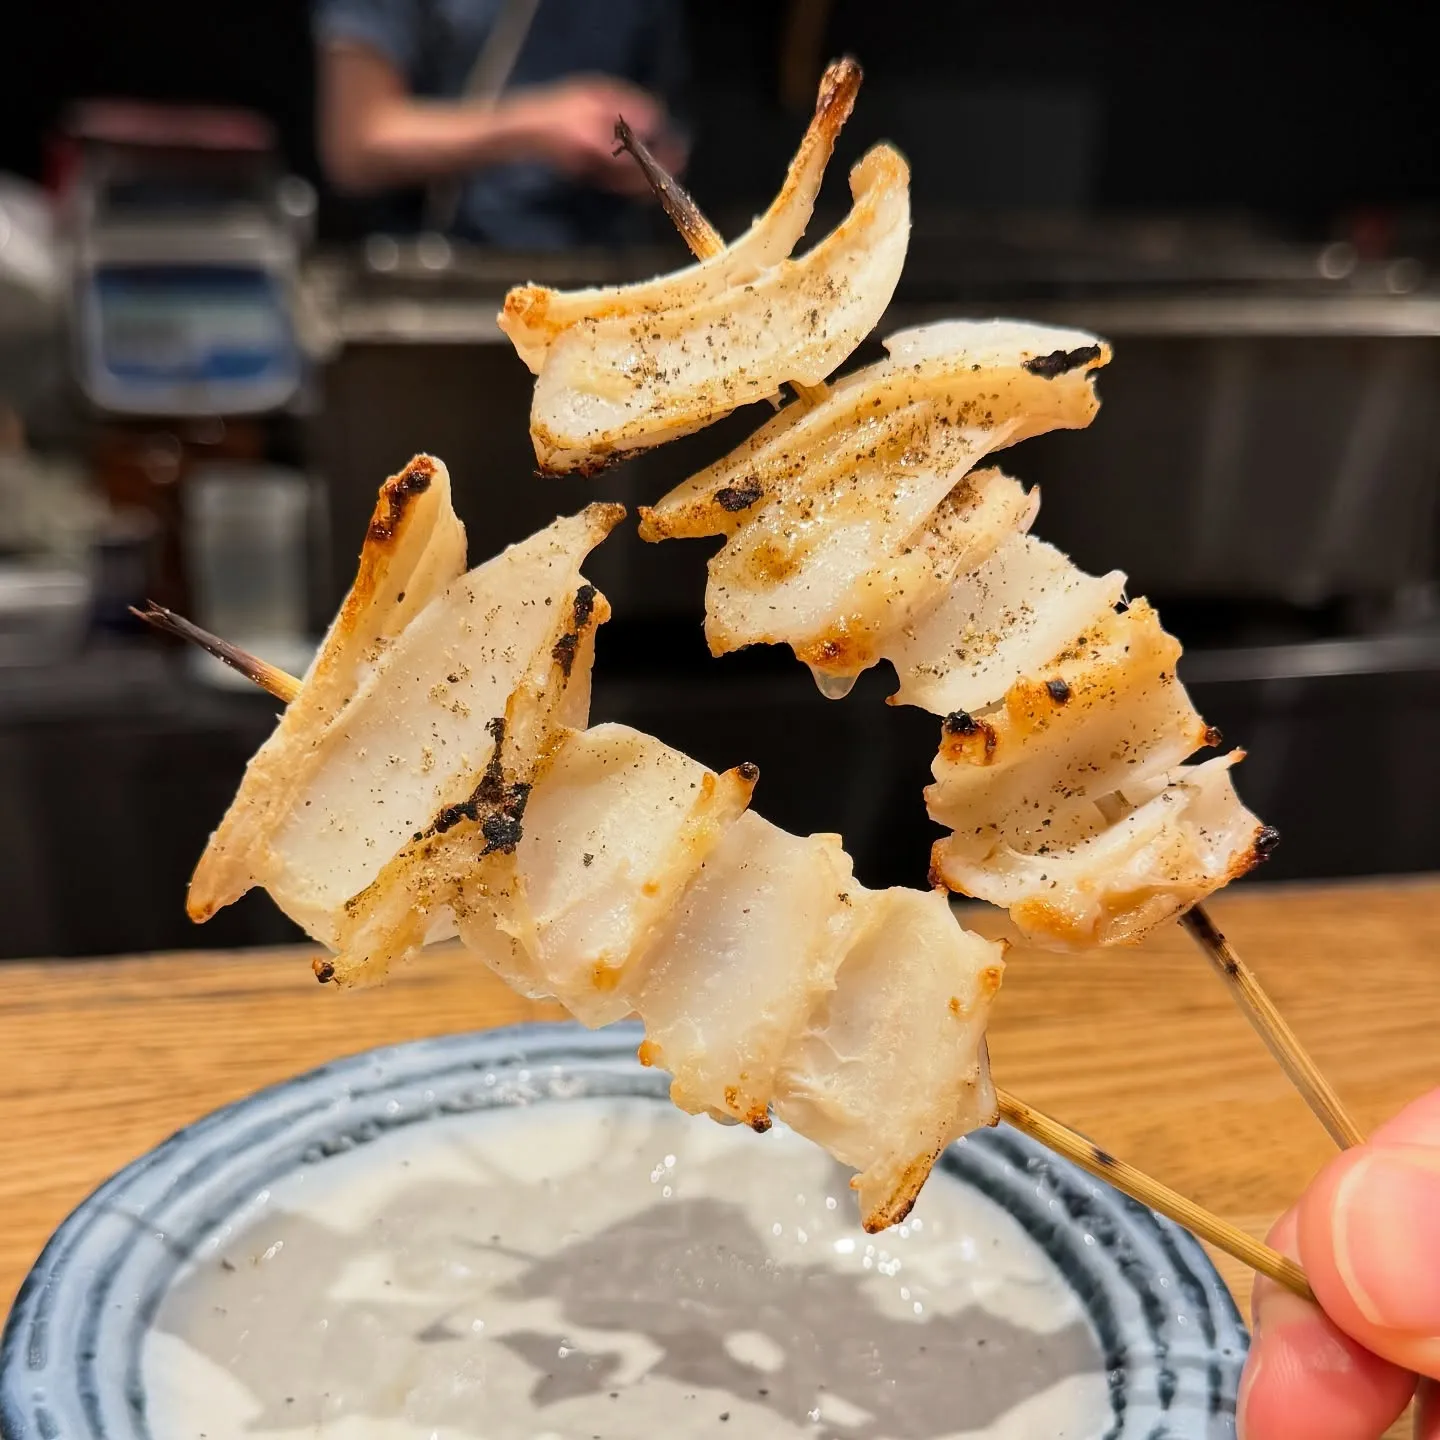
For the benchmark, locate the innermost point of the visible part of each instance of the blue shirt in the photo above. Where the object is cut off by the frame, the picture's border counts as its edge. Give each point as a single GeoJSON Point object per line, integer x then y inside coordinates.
{"type": "Point", "coordinates": [434, 45]}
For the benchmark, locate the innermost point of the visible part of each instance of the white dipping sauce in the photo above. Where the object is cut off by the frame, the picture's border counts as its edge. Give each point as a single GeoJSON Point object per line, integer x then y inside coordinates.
{"type": "Point", "coordinates": [614, 1269]}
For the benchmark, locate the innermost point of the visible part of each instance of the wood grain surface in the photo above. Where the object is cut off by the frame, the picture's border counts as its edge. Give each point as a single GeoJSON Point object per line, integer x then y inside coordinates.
{"type": "Point", "coordinates": [1141, 1049]}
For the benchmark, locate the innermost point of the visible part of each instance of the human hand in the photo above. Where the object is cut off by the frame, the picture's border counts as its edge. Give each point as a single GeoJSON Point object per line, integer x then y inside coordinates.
{"type": "Point", "coordinates": [1367, 1232]}
{"type": "Point", "coordinates": [571, 125]}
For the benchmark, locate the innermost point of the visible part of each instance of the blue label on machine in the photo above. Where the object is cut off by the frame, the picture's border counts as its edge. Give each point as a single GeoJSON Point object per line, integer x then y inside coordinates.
{"type": "Point", "coordinates": [217, 337]}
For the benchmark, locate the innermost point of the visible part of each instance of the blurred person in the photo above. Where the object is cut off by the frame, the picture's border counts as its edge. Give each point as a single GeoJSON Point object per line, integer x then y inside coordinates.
{"type": "Point", "coordinates": [504, 109]}
{"type": "Point", "coordinates": [1367, 1232]}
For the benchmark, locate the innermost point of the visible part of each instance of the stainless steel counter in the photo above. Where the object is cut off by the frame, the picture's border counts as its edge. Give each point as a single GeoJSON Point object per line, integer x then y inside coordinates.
{"type": "Point", "coordinates": [1267, 429]}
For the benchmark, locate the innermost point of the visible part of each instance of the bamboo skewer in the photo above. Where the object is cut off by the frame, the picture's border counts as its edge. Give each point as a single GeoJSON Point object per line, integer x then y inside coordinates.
{"type": "Point", "coordinates": [1050, 1133]}
{"type": "Point", "coordinates": [1282, 1042]}
{"type": "Point", "coordinates": [1245, 988]}
{"type": "Point", "coordinates": [267, 677]}
{"type": "Point", "coordinates": [1148, 1191]}
{"type": "Point", "coordinates": [697, 232]}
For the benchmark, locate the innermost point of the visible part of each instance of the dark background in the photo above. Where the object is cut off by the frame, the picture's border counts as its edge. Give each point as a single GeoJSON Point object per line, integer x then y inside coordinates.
{"type": "Point", "coordinates": [1300, 113]}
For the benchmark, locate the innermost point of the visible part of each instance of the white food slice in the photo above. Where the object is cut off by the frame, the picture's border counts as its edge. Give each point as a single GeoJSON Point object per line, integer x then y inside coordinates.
{"type": "Point", "coordinates": [995, 347]}
{"type": "Point", "coordinates": [999, 382]}
{"type": "Point", "coordinates": [750, 948]}
{"type": "Point", "coordinates": [827, 507]}
{"type": "Point", "coordinates": [375, 803]}
{"type": "Point", "coordinates": [1187, 835]}
{"type": "Point", "coordinates": [891, 1066]}
{"type": "Point", "coordinates": [620, 380]}
{"type": "Point", "coordinates": [1023, 607]}
{"type": "Point", "coordinates": [534, 316]}
{"type": "Point", "coordinates": [979, 515]}
{"type": "Point", "coordinates": [835, 574]}
{"type": "Point", "coordinates": [614, 830]}
{"type": "Point", "coordinates": [1029, 774]}
{"type": "Point", "coordinates": [539, 612]}
{"type": "Point", "coordinates": [414, 548]}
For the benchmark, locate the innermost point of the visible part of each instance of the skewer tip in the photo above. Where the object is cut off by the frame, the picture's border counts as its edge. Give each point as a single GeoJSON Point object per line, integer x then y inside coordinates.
{"type": "Point", "coordinates": [279, 684]}
{"type": "Point", "coordinates": [697, 232]}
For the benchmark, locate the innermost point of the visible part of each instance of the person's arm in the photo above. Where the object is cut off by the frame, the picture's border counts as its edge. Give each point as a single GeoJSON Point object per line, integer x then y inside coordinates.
{"type": "Point", "coordinates": [1368, 1234]}
{"type": "Point", "coordinates": [374, 134]}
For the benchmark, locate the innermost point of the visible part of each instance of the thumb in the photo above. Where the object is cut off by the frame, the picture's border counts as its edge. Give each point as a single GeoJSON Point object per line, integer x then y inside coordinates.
{"type": "Point", "coordinates": [1369, 1238]}
{"type": "Point", "coordinates": [1305, 1376]}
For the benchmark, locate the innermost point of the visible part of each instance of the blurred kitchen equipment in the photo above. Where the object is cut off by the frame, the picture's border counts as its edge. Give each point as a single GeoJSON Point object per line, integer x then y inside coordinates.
{"type": "Point", "coordinates": [44, 612]}
{"type": "Point", "coordinates": [48, 521]}
{"type": "Point", "coordinates": [186, 237]}
{"type": "Point", "coordinates": [246, 533]}
{"type": "Point", "coordinates": [123, 562]}
{"type": "Point", "coordinates": [31, 295]}
{"type": "Point", "coordinates": [47, 508]}
{"type": "Point", "coordinates": [1267, 432]}
{"type": "Point", "coordinates": [142, 467]}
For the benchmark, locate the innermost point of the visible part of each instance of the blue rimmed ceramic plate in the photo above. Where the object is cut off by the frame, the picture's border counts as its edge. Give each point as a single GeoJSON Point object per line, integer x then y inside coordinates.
{"type": "Point", "coordinates": [511, 1236]}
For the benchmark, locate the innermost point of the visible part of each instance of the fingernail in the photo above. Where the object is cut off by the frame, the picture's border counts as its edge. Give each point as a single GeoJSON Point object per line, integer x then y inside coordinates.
{"type": "Point", "coordinates": [1387, 1237]}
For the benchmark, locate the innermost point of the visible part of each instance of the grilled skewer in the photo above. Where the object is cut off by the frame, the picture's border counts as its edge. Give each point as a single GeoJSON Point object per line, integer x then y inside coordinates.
{"type": "Point", "coordinates": [1050, 1132]}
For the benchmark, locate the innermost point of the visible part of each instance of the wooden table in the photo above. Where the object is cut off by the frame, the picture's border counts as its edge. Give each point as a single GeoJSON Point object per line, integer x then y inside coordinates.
{"type": "Point", "coordinates": [1143, 1050]}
